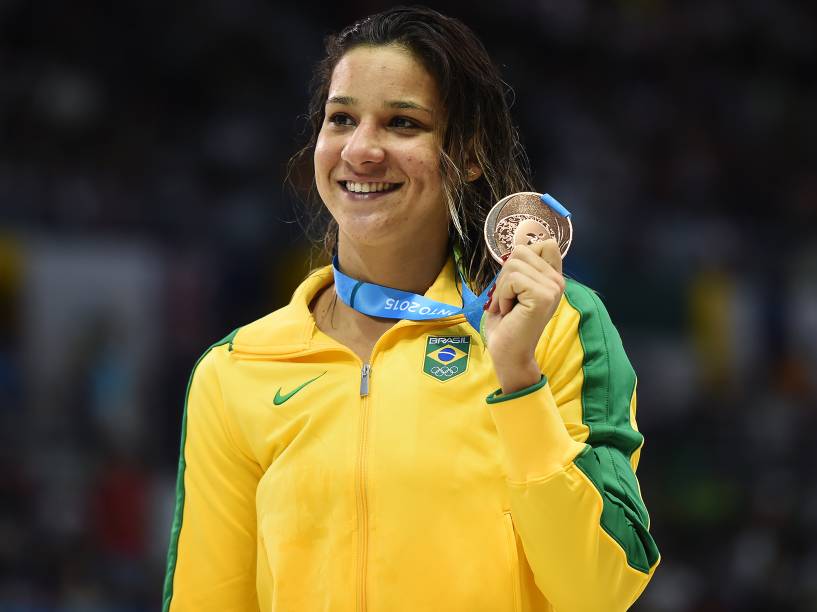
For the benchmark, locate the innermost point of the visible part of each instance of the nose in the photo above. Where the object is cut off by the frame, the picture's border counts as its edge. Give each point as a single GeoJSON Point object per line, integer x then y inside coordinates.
{"type": "Point", "coordinates": [363, 146]}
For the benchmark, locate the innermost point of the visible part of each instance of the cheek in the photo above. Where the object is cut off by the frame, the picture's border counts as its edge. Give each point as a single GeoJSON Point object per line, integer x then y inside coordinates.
{"type": "Point", "coordinates": [325, 156]}
{"type": "Point", "coordinates": [424, 164]}
{"type": "Point", "coordinates": [323, 161]}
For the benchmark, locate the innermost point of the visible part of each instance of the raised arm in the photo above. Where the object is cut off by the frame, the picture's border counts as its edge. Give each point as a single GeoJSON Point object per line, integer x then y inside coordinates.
{"type": "Point", "coordinates": [572, 447]}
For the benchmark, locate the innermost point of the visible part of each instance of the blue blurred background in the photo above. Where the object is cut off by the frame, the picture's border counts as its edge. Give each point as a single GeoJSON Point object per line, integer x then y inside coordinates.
{"type": "Point", "coordinates": [142, 152]}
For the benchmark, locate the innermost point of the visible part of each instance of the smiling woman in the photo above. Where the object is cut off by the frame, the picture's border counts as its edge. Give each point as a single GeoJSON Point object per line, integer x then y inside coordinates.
{"type": "Point", "coordinates": [351, 451]}
{"type": "Point", "coordinates": [458, 101]}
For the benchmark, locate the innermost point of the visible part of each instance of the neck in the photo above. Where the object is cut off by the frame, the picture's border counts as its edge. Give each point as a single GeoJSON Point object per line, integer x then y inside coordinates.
{"type": "Point", "coordinates": [410, 268]}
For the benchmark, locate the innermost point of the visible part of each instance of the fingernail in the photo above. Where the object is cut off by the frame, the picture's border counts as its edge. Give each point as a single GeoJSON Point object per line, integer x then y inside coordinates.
{"type": "Point", "coordinates": [505, 256]}
{"type": "Point", "coordinates": [487, 304]}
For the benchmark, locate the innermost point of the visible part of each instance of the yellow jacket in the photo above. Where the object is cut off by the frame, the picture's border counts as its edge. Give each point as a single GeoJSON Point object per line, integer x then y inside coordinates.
{"type": "Point", "coordinates": [309, 481]}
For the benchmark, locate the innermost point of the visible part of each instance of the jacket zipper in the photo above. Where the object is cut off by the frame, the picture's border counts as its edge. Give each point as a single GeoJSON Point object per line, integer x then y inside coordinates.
{"type": "Point", "coordinates": [364, 379]}
{"type": "Point", "coordinates": [363, 516]}
{"type": "Point", "coordinates": [363, 513]}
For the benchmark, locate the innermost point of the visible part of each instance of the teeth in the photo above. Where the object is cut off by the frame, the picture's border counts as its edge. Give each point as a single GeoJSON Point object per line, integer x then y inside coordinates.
{"type": "Point", "coordinates": [368, 187]}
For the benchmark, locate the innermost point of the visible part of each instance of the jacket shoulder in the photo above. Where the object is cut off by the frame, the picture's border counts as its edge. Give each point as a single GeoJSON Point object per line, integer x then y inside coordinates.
{"type": "Point", "coordinates": [585, 301]}
{"type": "Point", "coordinates": [580, 309]}
{"type": "Point", "coordinates": [288, 327]}
{"type": "Point", "coordinates": [578, 292]}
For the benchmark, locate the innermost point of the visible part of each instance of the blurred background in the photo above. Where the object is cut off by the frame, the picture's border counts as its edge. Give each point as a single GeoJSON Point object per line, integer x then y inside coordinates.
{"type": "Point", "coordinates": [142, 154]}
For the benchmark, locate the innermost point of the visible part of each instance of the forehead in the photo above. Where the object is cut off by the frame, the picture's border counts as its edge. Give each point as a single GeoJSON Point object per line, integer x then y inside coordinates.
{"type": "Point", "coordinates": [383, 73]}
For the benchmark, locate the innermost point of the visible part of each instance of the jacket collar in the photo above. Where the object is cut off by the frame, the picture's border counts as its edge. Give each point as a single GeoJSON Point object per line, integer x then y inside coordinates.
{"type": "Point", "coordinates": [290, 330]}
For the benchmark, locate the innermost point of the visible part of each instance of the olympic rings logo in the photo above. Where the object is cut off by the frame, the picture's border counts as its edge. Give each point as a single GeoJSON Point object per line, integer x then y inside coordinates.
{"type": "Point", "coordinates": [444, 370]}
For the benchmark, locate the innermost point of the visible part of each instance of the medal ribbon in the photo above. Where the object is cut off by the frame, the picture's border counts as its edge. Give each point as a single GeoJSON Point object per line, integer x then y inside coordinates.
{"type": "Point", "coordinates": [379, 301]}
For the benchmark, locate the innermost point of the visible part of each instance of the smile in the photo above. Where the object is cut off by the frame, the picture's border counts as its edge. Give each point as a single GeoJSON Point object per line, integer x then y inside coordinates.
{"type": "Point", "coordinates": [353, 187]}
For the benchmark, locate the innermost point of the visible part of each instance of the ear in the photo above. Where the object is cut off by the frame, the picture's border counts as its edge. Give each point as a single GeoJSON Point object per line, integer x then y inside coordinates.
{"type": "Point", "coordinates": [472, 172]}
{"type": "Point", "coordinates": [472, 168]}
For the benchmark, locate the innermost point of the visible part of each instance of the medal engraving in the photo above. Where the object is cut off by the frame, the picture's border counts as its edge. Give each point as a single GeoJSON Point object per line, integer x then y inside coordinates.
{"type": "Point", "coordinates": [523, 218]}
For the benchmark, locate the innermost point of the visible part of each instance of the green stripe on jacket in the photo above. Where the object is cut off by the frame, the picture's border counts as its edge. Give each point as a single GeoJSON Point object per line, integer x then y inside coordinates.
{"type": "Point", "coordinates": [173, 548]}
{"type": "Point", "coordinates": [609, 384]}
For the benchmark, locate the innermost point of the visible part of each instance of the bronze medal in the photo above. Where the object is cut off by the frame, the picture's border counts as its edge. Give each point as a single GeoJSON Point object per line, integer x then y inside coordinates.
{"type": "Point", "coordinates": [526, 218]}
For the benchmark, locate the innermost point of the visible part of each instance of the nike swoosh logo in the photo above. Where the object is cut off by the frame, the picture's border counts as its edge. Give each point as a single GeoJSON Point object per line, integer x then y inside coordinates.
{"type": "Point", "coordinates": [280, 399]}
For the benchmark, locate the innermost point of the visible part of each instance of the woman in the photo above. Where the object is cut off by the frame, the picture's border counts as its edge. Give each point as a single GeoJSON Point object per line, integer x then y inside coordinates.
{"type": "Point", "coordinates": [334, 460]}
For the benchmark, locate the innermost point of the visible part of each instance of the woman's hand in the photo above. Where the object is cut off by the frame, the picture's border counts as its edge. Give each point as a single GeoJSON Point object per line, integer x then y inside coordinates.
{"type": "Point", "coordinates": [526, 295]}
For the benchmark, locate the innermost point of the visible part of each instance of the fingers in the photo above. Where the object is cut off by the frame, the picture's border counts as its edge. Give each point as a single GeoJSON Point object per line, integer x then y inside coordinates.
{"type": "Point", "coordinates": [526, 255]}
{"type": "Point", "coordinates": [547, 251]}
{"type": "Point", "coordinates": [533, 270]}
{"type": "Point", "coordinates": [543, 258]}
{"type": "Point", "coordinates": [509, 289]}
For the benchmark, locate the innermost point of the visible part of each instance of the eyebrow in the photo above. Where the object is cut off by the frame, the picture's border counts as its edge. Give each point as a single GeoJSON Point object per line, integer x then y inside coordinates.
{"type": "Point", "coordinates": [401, 104]}
{"type": "Point", "coordinates": [407, 104]}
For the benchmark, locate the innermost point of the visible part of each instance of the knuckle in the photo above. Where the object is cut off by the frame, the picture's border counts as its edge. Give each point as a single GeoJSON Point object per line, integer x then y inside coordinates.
{"type": "Point", "coordinates": [511, 265]}
{"type": "Point", "coordinates": [552, 292]}
{"type": "Point", "coordinates": [519, 254]}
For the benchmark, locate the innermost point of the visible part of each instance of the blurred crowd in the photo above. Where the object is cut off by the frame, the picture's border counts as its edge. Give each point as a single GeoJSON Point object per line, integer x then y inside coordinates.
{"type": "Point", "coordinates": [142, 154]}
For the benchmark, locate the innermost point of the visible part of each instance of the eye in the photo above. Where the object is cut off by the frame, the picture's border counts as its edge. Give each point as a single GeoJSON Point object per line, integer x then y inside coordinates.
{"type": "Point", "coordinates": [340, 119]}
{"type": "Point", "coordinates": [404, 123]}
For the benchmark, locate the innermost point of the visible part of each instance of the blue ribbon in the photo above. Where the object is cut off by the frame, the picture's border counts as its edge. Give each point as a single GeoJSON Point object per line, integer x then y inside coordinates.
{"type": "Point", "coordinates": [554, 204]}
{"type": "Point", "coordinates": [379, 301]}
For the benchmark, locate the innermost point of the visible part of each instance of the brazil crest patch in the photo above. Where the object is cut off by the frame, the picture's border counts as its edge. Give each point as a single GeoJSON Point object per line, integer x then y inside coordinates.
{"type": "Point", "coordinates": [446, 356]}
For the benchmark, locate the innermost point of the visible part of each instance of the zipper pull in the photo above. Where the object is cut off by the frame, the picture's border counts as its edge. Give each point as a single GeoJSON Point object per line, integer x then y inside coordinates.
{"type": "Point", "coordinates": [364, 380]}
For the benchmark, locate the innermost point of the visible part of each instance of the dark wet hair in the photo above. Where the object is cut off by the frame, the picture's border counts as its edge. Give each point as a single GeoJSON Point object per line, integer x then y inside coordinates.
{"type": "Point", "coordinates": [477, 126]}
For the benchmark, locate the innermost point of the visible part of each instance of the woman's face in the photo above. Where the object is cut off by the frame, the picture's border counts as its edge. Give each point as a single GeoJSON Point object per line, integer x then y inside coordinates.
{"type": "Point", "coordinates": [377, 160]}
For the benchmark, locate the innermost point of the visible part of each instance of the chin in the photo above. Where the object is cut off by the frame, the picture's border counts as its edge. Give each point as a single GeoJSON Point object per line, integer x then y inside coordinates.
{"type": "Point", "coordinates": [369, 232]}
